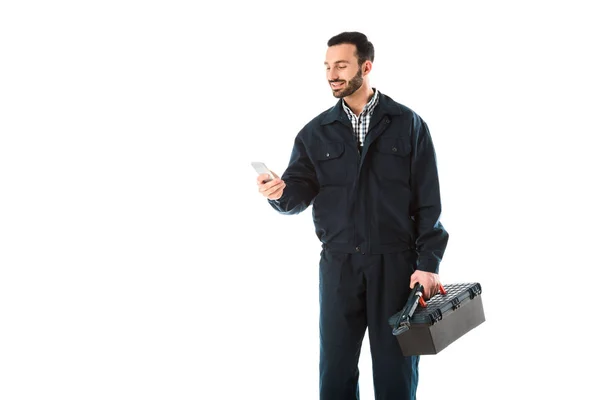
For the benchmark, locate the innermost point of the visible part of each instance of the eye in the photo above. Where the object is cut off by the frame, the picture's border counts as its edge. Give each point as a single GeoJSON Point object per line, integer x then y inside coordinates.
{"type": "Point", "coordinates": [340, 67]}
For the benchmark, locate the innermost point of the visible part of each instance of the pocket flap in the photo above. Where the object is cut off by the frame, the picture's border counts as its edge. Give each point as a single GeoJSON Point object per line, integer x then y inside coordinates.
{"type": "Point", "coordinates": [398, 146]}
{"type": "Point", "coordinates": [330, 151]}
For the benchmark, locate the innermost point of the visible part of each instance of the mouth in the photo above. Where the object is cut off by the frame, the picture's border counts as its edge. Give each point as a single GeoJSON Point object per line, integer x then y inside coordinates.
{"type": "Point", "coordinates": [336, 85]}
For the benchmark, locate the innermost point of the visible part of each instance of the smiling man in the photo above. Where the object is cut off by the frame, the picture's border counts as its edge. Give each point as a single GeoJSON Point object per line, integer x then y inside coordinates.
{"type": "Point", "coordinates": [340, 87]}
{"type": "Point", "coordinates": [367, 166]}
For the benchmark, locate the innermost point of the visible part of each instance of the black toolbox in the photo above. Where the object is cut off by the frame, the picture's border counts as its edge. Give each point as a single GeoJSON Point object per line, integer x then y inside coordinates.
{"type": "Point", "coordinates": [446, 317]}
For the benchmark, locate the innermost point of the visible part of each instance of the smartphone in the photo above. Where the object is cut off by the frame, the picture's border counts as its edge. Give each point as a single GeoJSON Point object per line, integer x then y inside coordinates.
{"type": "Point", "coordinates": [261, 168]}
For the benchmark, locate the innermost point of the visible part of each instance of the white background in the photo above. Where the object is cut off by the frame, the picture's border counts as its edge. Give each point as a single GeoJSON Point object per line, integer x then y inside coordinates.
{"type": "Point", "coordinates": [138, 261]}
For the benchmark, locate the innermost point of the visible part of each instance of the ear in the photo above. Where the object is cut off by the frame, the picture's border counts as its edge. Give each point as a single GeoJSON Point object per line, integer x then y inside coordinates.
{"type": "Point", "coordinates": [367, 67]}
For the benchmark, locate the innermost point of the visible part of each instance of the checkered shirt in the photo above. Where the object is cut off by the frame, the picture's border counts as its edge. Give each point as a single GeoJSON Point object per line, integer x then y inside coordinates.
{"type": "Point", "coordinates": [360, 124]}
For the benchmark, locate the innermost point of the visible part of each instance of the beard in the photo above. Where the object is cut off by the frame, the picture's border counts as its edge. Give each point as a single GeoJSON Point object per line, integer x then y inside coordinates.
{"type": "Point", "coordinates": [353, 85]}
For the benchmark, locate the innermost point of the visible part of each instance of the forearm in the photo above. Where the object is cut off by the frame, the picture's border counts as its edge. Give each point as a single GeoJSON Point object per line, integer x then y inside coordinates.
{"type": "Point", "coordinates": [296, 197]}
{"type": "Point", "coordinates": [430, 242]}
{"type": "Point", "coordinates": [431, 237]}
{"type": "Point", "coordinates": [301, 185]}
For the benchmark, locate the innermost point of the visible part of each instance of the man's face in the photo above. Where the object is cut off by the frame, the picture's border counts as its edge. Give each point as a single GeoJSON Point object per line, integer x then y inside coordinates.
{"type": "Point", "coordinates": [343, 72]}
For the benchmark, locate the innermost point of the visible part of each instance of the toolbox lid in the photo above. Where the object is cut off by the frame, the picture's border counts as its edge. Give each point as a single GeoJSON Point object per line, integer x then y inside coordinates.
{"type": "Point", "coordinates": [440, 305]}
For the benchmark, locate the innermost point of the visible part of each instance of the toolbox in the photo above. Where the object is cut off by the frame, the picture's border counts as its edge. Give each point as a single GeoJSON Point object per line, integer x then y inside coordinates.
{"type": "Point", "coordinates": [428, 328]}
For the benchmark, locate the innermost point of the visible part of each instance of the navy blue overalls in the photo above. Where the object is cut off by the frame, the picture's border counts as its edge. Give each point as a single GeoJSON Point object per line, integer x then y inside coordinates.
{"type": "Point", "coordinates": [376, 213]}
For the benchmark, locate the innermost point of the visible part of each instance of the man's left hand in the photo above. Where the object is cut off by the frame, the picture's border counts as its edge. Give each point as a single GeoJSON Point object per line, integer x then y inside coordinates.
{"type": "Point", "coordinates": [430, 281]}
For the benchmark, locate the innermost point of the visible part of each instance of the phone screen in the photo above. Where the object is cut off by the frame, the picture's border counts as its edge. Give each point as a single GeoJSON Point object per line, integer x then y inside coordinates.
{"type": "Point", "coordinates": [261, 168]}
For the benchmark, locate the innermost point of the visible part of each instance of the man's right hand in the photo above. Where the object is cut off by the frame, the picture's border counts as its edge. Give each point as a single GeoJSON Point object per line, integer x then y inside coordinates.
{"type": "Point", "coordinates": [272, 190]}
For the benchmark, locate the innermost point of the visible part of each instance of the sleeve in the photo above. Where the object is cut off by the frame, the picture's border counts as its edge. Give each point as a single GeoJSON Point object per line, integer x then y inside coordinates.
{"type": "Point", "coordinates": [426, 207]}
{"type": "Point", "coordinates": [301, 182]}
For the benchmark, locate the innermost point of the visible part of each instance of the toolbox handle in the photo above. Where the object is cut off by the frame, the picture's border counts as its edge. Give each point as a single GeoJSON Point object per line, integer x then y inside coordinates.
{"type": "Point", "coordinates": [422, 302]}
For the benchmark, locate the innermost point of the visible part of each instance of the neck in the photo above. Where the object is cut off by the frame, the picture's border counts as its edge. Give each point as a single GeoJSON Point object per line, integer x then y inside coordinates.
{"type": "Point", "coordinates": [359, 99]}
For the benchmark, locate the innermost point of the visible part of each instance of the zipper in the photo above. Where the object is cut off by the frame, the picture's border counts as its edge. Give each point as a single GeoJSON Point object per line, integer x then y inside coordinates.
{"type": "Point", "coordinates": [356, 191]}
{"type": "Point", "coordinates": [381, 126]}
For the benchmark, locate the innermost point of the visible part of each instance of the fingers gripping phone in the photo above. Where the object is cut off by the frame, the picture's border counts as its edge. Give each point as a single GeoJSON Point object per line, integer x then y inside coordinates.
{"type": "Point", "coordinates": [261, 168]}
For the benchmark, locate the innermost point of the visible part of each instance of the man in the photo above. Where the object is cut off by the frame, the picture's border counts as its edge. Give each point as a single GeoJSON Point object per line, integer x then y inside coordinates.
{"type": "Point", "coordinates": [368, 168]}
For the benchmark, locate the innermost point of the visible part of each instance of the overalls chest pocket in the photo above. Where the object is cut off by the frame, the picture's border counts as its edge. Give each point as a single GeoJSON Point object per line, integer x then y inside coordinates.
{"type": "Point", "coordinates": [391, 158]}
{"type": "Point", "coordinates": [330, 164]}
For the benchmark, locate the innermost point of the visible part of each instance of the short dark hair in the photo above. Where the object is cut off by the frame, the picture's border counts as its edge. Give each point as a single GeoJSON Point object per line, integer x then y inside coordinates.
{"type": "Point", "coordinates": [364, 49]}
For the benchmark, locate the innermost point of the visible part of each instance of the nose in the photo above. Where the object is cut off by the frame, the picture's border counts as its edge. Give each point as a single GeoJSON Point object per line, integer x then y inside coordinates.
{"type": "Point", "coordinates": [332, 75]}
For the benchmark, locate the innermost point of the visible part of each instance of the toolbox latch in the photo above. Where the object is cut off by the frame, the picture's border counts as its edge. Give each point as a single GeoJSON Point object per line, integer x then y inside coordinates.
{"type": "Point", "coordinates": [474, 291]}
{"type": "Point", "coordinates": [455, 303]}
{"type": "Point", "coordinates": [435, 316]}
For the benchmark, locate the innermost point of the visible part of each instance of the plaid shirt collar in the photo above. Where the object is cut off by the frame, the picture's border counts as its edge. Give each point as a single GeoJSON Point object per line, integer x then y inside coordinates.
{"type": "Point", "coordinates": [360, 123]}
{"type": "Point", "coordinates": [368, 110]}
